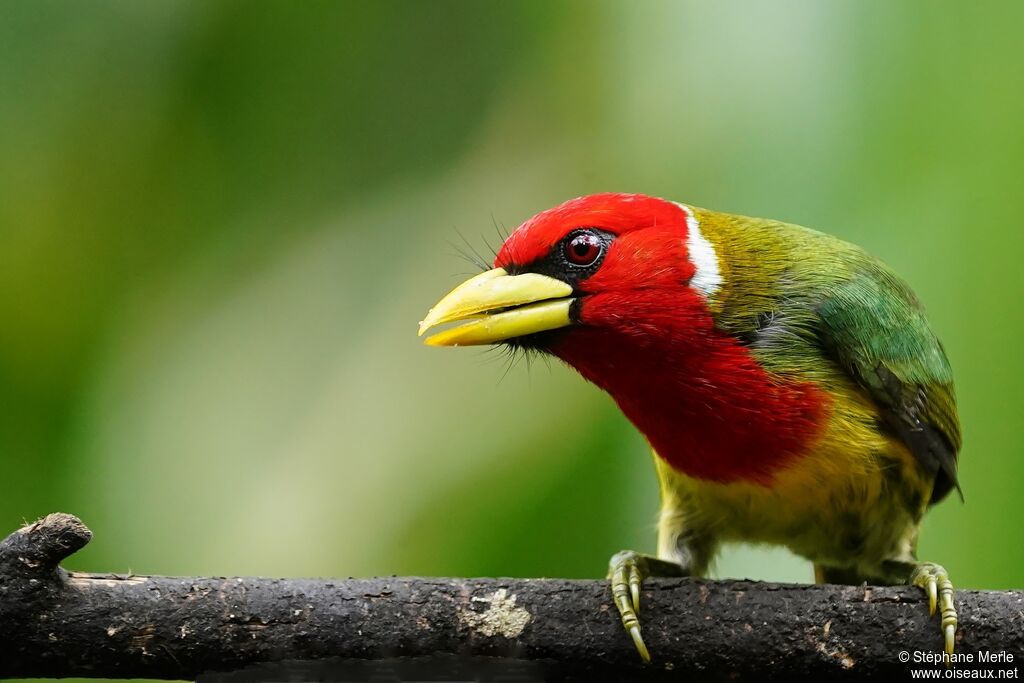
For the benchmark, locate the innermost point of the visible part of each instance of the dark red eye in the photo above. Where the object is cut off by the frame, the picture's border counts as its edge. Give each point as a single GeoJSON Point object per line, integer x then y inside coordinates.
{"type": "Point", "coordinates": [583, 249]}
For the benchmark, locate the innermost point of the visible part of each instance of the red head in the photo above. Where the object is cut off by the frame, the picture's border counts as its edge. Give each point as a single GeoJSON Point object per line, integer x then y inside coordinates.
{"type": "Point", "coordinates": [638, 266]}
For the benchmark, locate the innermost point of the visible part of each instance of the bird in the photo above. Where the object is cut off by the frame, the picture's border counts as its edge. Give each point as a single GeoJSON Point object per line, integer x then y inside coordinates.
{"type": "Point", "coordinates": [789, 384]}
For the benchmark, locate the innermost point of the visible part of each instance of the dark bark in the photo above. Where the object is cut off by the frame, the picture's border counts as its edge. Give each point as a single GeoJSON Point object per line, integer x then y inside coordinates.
{"type": "Point", "coordinates": [56, 623]}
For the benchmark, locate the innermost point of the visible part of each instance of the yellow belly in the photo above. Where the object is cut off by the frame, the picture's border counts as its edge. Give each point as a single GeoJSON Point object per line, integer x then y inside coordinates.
{"type": "Point", "coordinates": [855, 500]}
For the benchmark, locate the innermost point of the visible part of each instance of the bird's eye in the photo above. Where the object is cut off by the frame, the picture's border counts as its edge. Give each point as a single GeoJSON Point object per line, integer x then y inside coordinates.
{"type": "Point", "coordinates": [583, 249]}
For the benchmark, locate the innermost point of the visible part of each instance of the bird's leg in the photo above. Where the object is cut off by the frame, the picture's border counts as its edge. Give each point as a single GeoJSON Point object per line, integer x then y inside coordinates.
{"type": "Point", "coordinates": [934, 581]}
{"type": "Point", "coordinates": [686, 546]}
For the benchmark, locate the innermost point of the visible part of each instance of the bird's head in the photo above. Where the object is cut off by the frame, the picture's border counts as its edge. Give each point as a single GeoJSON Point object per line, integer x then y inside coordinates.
{"type": "Point", "coordinates": [616, 270]}
{"type": "Point", "coordinates": [626, 289]}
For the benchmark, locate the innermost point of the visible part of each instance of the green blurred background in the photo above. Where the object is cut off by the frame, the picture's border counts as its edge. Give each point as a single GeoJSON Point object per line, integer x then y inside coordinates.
{"type": "Point", "coordinates": [221, 221]}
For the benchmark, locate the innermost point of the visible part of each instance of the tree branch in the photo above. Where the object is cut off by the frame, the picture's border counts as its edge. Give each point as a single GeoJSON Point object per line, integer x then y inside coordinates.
{"type": "Point", "coordinates": [55, 623]}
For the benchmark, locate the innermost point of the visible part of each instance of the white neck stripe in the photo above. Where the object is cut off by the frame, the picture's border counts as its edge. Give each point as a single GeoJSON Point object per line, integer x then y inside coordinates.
{"type": "Point", "coordinates": [708, 278]}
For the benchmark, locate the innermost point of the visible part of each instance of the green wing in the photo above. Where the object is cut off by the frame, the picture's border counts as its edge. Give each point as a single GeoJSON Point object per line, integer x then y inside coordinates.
{"type": "Point", "coordinates": [874, 327]}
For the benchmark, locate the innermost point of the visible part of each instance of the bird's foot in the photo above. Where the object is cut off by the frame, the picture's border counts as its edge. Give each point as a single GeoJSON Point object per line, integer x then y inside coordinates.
{"type": "Point", "coordinates": [627, 570]}
{"type": "Point", "coordinates": [934, 580]}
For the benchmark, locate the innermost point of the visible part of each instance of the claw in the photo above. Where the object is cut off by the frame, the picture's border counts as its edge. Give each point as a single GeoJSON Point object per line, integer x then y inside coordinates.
{"type": "Point", "coordinates": [932, 589]}
{"type": "Point", "coordinates": [639, 642]}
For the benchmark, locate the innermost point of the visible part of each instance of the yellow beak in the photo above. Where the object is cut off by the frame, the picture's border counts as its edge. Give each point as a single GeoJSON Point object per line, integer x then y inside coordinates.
{"type": "Point", "coordinates": [499, 306]}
